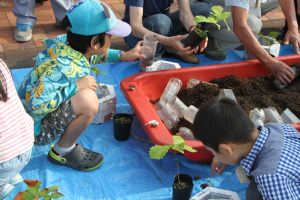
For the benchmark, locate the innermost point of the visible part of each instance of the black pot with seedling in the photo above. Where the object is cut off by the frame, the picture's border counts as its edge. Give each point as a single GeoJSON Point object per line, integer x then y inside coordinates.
{"type": "Point", "coordinates": [122, 121]}
{"type": "Point", "coordinates": [183, 183]}
{"type": "Point", "coordinates": [122, 125]}
{"type": "Point", "coordinates": [200, 32]}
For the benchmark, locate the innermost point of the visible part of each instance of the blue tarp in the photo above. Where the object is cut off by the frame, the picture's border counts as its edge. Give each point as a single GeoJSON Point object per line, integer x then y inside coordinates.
{"type": "Point", "coordinates": [127, 172]}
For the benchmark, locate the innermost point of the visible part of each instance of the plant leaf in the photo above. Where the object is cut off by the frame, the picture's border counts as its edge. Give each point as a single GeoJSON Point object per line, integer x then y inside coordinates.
{"type": "Point", "coordinates": [27, 195]}
{"type": "Point", "coordinates": [200, 19]}
{"type": "Point", "coordinates": [177, 140]}
{"type": "Point", "coordinates": [274, 34]}
{"type": "Point", "coordinates": [56, 195]}
{"type": "Point", "coordinates": [157, 152]}
{"type": "Point", "coordinates": [217, 9]}
{"type": "Point", "coordinates": [189, 148]}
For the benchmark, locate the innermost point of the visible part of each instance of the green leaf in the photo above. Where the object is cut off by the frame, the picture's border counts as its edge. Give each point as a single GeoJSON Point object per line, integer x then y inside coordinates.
{"type": "Point", "coordinates": [178, 147]}
{"type": "Point", "coordinates": [189, 149]}
{"type": "Point", "coordinates": [177, 140]}
{"type": "Point", "coordinates": [27, 195]}
{"type": "Point", "coordinates": [217, 9]}
{"type": "Point", "coordinates": [157, 152]}
{"type": "Point", "coordinates": [56, 195]}
{"type": "Point", "coordinates": [200, 19]}
{"type": "Point", "coordinates": [95, 70]}
{"type": "Point", "coordinates": [274, 34]}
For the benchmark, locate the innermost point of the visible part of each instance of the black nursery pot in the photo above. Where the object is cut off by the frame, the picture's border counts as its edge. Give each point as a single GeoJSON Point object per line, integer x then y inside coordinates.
{"type": "Point", "coordinates": [192, 40]}
{"type": "Point", "coordinates": [121, 127]}
{"type": "Point", "coordinates": [182, 190]}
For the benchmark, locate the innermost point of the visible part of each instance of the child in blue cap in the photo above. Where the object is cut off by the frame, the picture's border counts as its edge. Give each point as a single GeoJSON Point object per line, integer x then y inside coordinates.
{"type": "Point", "coordinates": [59, 92]}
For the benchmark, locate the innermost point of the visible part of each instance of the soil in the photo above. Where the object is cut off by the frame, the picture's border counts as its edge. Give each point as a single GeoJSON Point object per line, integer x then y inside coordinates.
{"type": "Point", "coordinates": [192, 40]}
{"type": "Point", "coordinates": [122, 120]}
{"type": "Point", "coordinates": [256, 92]}
{"type": "Point", "coordinates": [180, 185]}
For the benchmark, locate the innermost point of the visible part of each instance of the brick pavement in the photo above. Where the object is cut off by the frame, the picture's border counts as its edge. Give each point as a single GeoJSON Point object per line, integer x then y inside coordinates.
{"type": "Point", "coordinates": [21, 54]}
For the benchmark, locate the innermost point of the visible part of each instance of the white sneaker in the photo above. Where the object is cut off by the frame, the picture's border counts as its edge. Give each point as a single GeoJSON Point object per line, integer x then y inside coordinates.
{"type": "Point", "coordinates": [23, 32]}
{"type": "Point", "coordinates": [17, 179]}
{"type": "Point", "coordinates": [6, 190]}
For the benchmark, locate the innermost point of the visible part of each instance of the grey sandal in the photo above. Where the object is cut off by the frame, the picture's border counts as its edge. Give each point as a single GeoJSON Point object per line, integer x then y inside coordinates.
{"type": "Point", "coordinates": [79, 158]}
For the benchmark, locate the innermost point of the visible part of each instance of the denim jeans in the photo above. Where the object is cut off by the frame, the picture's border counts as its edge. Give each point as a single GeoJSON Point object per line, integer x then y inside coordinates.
{"type": "Point", "coordinates": [24, 10]}
{"type": "Point", "coordinates": [168, 25]}
{"type": "Point", "coordinates": [10, 168]}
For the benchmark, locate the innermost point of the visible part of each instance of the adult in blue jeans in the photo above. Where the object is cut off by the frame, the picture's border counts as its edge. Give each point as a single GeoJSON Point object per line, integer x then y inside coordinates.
{"type": "Point", "coordinates": [24, 12]}
{"type": "Point", "coordinates": [154, 17]}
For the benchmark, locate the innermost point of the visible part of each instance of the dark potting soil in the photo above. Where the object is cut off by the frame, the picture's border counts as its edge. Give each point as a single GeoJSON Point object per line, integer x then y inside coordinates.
{"type": "Point", "coordinates": [180, 185]}
{"type": "Point", "coordinates": [256, 92]}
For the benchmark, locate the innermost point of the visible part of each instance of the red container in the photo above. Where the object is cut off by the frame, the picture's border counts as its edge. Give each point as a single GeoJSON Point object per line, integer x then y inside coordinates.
{"type": "Point", "coordinates": [142, 88]}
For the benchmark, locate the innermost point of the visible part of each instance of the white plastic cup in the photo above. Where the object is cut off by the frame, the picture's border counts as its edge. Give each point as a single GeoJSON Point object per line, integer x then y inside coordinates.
{"type": "Point", "coordinates": [190, 114]}
{"type": "Point", "coordinates": [257, 116]}
{"type": "Point", "coordinates": [186, 133]}
{"type": "Point", "coordinates": [170, 92]}
{"type": "Point", "coordinates": [178, 107]}
{"type": "Point", "coordinates": [272, 115]}
{"type": "Point", "coordinates": [148, 49]}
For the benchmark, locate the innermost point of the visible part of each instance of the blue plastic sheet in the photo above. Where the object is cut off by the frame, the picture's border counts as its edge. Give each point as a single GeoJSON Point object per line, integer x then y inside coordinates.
{"type": "Point", "coordinates": [127, 172]}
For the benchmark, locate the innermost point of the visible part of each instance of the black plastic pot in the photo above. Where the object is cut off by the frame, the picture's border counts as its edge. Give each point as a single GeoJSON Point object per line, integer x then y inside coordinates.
{"type": "Point", "coordinates": [182, 187]}
{"type": "Point", "coordinates": [192, 40]}
{"type": "Point", "coordinates": [122, 125]}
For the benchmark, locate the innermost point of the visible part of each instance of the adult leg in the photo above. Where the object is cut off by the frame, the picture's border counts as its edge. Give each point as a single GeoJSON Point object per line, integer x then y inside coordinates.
{"type": "Point", "coordinates": [24, 12]}
{"type": "Point", "coordinates": [60, 8]}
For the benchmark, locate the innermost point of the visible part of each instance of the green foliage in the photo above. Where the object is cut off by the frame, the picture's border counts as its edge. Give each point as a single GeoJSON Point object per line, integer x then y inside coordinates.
{"type": "Point", "coordinates": [157, 152]}
{"type": "Point", "coordinates": [217, 14]}
{"type": "Point", "coordinates": [34, 191]}
{"type": "Point", "coordinates": [271, 38]}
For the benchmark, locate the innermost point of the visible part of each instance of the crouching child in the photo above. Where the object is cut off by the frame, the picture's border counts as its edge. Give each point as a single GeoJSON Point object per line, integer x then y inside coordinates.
{"type": "Point", "coordinates": [269, 154]}
{"type": "Point", "coordinates": [59, 93]}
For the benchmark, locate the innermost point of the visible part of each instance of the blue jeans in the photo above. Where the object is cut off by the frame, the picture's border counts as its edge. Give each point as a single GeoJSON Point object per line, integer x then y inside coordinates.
{"type": "Point", "coordinates": [10, 168]}
{"type": "Point", "coordinates": [24, 10]}
{"type": "Point", "coordinates": [168, 25]}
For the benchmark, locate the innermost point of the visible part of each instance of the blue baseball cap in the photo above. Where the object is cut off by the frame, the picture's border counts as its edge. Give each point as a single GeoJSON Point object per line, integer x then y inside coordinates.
{"type": "Point", "coordinates": [92, 17]}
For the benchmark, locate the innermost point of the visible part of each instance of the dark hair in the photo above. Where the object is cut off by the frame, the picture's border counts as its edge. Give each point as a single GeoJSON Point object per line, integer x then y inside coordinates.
{"type": "Point", "coordinates": [222, 120]}
{"type": "Point", "coordinates": [81, 42]}
{"type": "Point", "coordinates": [3, 88]}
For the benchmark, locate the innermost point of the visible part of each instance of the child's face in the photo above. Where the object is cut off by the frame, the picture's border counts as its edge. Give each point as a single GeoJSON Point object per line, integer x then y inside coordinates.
{"type": "Point", "coordinates": [106, 45]}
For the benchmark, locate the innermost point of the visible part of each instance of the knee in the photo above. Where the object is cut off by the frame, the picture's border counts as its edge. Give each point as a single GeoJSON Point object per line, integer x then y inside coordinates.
{"type": "Point", "coordinates": [255, 24]}
{"type": "Point", "coordinates": [159, 23]}
{"type": "Point", "coordinates": [200, 8]}
{"type": "Point", "coordinates": [85, 103]}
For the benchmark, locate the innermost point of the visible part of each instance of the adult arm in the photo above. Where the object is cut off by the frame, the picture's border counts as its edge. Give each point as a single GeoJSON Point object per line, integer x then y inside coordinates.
{"type": "Point", "coordinates": [185, 14]}
{"type": "Point", "coordinates": [292, 35]}
{"type": "Point", "coordinates": [138, 30]}
{"type": "Point", "coordinates": [280, 70]}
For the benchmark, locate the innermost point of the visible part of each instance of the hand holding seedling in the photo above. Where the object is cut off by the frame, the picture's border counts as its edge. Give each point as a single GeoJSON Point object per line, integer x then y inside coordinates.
{"type": "Point", "coordinates": [133, 54]}
{"type": "Point", "coordinates": [86, 82]}
{"type": "Point", "coordinates": [175, 43]}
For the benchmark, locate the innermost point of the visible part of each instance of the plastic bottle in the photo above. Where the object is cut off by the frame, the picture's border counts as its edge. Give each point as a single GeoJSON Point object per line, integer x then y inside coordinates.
{"type": "Point", "coordinates": [178, 108]}
{"type": "Point", "coordinates": [190, 114]}
{"type": "Point", "coordinates": [272, 115]}
{"type": "Point", "coordinates": [257, 116]}
{"type": "Point", "coordinates": [171, 90]}
{"type": "Point", "coordinates": [170, 120]}
{"type": "Point", "coordinates": [227, 93]}
{"type": "Point", "coordinates": [186, 133]}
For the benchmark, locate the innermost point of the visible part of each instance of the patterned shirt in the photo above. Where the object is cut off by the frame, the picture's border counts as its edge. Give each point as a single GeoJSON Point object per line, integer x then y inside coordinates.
{"type": "Point", "coordinates": [53, 80]}
{"type": "Point", "coordinates": [16, 126]}
{"type": "Point", "coordinates": [284, 182]}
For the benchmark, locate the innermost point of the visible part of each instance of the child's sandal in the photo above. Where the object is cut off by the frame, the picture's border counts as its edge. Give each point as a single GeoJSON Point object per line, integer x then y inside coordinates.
{"type": "Point", "coordinates": [79, 158]}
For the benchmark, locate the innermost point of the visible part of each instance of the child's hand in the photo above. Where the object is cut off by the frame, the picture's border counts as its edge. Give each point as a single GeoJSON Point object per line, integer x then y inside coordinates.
{"type": "Point", "coordinates": [134, 54]}
{"type": "Point", "coordinates": [86, 82]}
{"type": "Point", "coordinates": [217, 167]}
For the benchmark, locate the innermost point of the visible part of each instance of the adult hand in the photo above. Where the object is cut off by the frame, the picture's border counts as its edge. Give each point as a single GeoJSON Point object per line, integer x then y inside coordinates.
{"type": "Point", "coordinates": [217, 166]}
{"type": "Point", "coordinates": [292, 36]}
{"type": "Point", "coordinates": [86, 82]}
{"type": "Point", "coordinates": [133, 54]}
{"type": "Point", "coordinates": [203, 44]}
{"type": "Point", "coordinates": [281, 71]}
{"type": "Point", "coordinates": [175, 43]}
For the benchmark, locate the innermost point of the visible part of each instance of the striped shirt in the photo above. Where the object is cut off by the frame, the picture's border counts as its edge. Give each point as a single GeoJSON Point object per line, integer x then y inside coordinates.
{"type": "Point", "coordinates": [279, 178]}
{"type": "Point", "coordinates": [16, 126]}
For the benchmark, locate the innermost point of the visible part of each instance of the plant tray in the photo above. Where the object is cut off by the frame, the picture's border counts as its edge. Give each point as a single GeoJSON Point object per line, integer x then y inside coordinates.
{"type": "Point", "coordinates": [143, 88]}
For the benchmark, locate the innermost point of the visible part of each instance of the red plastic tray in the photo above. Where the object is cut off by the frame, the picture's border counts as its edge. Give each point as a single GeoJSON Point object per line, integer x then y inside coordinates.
{"type": "Point", "coordinates": [141, 88]}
